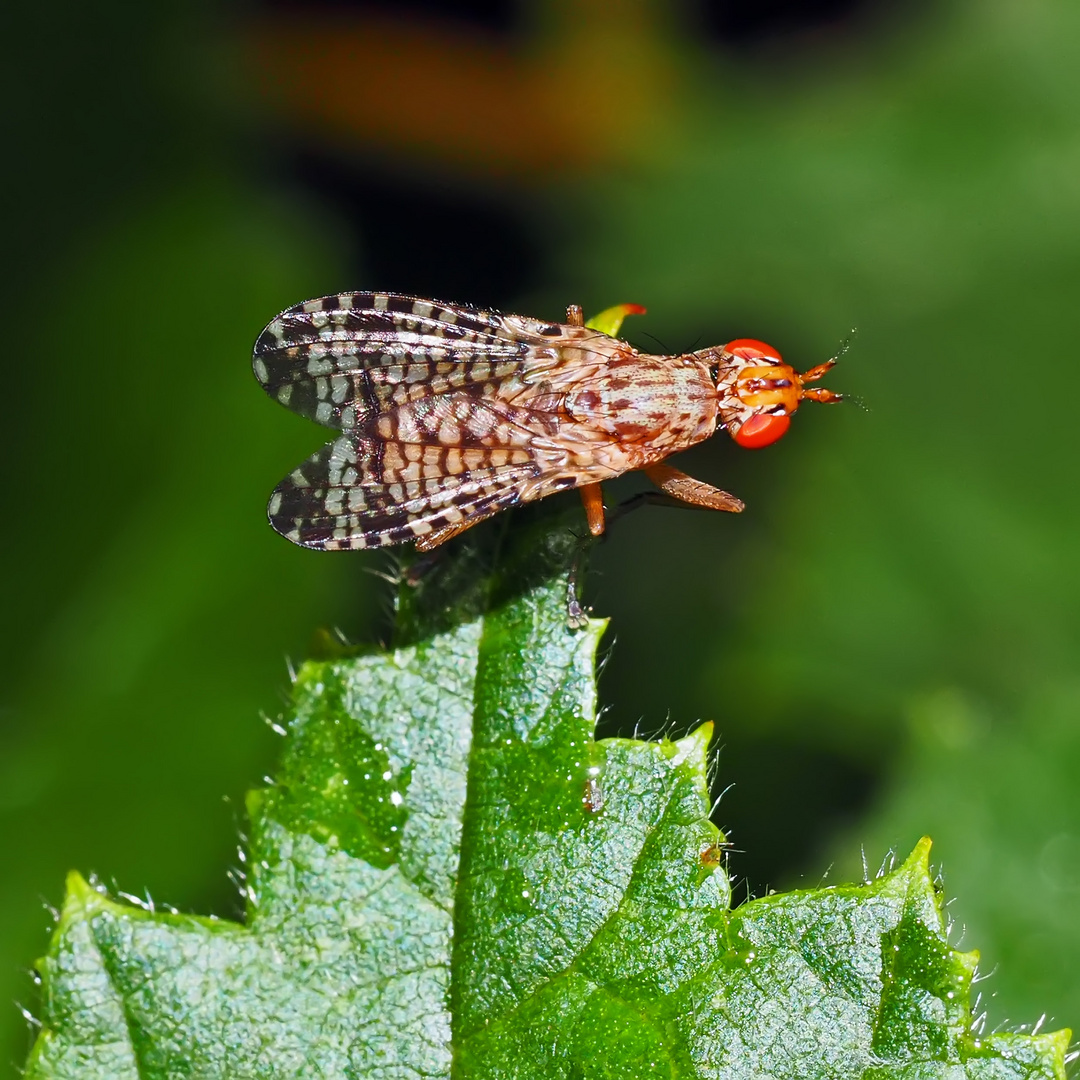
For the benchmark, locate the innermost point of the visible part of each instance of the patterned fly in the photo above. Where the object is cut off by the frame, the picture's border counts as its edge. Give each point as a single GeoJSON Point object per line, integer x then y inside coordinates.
{"type": "Point", "coordinates": [449, 414]}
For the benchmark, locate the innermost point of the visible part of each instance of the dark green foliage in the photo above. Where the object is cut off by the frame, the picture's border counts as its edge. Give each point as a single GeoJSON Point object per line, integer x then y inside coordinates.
{"type": "Point", "coordinates": [450, 875]}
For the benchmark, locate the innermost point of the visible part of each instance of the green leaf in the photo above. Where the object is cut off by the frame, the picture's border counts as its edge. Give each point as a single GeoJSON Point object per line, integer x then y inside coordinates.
{"type": "Point", "coordinates": [451, 876]}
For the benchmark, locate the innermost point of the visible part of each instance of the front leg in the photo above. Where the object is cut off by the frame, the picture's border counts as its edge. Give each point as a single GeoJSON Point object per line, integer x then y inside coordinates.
{"type": "Point", "coordinates": [687, 489]}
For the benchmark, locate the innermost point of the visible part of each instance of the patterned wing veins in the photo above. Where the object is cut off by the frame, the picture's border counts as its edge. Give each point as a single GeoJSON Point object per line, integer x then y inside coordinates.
{"type": "Point", "coordinates": [359, 493]}
{"type": "Point", "coordinates": [343, 359]}
{"type": "Point", "coordinates": [448, 415]}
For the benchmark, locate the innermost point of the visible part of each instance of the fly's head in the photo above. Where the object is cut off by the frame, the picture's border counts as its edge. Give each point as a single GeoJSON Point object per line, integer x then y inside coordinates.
{"type": "Point", "coordinates": [759, 392]}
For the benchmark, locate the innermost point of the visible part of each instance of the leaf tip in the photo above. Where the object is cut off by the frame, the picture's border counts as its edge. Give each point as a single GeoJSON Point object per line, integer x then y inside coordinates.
{"type": "Point", "coordinates": [692, 750]}
{"type": "Point", "coordinates": [79, 891]}
{"type": "Point", "coordinates": [81, 898]}
{"type": "Point", "coordinates": [919, 859]}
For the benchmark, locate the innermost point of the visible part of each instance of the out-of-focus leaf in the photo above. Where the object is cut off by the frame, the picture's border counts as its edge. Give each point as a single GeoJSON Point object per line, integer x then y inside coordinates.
{"type": "Point", "coordinates": [147, 558]}
{"type": "Point", "coordinates": [450, 875]}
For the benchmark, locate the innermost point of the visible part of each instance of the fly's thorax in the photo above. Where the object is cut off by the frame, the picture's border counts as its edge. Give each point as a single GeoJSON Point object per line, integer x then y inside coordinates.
{"type": "Point", "coordinates": [657, 402]}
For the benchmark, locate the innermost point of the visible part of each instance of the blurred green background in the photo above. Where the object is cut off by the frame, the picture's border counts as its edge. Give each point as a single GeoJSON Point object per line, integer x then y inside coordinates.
{"type": "Point", "coordinates": [887, 639]}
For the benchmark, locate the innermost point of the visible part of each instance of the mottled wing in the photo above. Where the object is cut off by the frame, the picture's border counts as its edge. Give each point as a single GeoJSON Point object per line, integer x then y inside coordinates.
{"type": "Point", "coordinates": [429, 398]}
{"type": "Point", "coordinates": [341, 360]}
{"type": "Point", "coordinates": [348, 496]}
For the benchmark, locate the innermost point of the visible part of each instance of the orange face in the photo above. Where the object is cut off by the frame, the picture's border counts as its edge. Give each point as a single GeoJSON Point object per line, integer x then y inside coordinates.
{"type": "Point", "coordinates": [769, 391]}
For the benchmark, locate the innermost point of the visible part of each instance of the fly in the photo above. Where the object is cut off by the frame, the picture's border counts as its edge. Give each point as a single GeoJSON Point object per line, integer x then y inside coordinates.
{"type": "Point", "coordinates": [448, 414]}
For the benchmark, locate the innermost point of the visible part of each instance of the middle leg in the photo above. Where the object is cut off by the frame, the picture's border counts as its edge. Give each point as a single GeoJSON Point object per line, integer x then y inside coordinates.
{"type": "Point", "coordinates": [593, 499]}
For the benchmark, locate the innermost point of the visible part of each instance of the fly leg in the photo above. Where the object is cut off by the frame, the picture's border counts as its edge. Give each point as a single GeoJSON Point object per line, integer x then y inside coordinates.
{"type": "Point", "coordinates": [429, 544]}
{"type": "Point", "coordinates": [607, 322]}
{"type": "Point", "coordinates": [677, 490]}
{"type": "Point", "coordinates": [433, 539]}
{"type": "Point", "coordinates": [419, 569]}
{"type": "Point", "coordinates": [577, 617]}
{"type": "Point", "coordinates": [688, 490]}
{"type": "Point", "coordinates": [593, 499]}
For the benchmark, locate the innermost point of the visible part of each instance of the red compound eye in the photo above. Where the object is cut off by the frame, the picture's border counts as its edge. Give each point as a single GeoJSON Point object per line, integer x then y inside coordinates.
{"type": "Point", "coordinates": [761, 430]}
{"type": "Point", "coordinates": [748, 348]}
